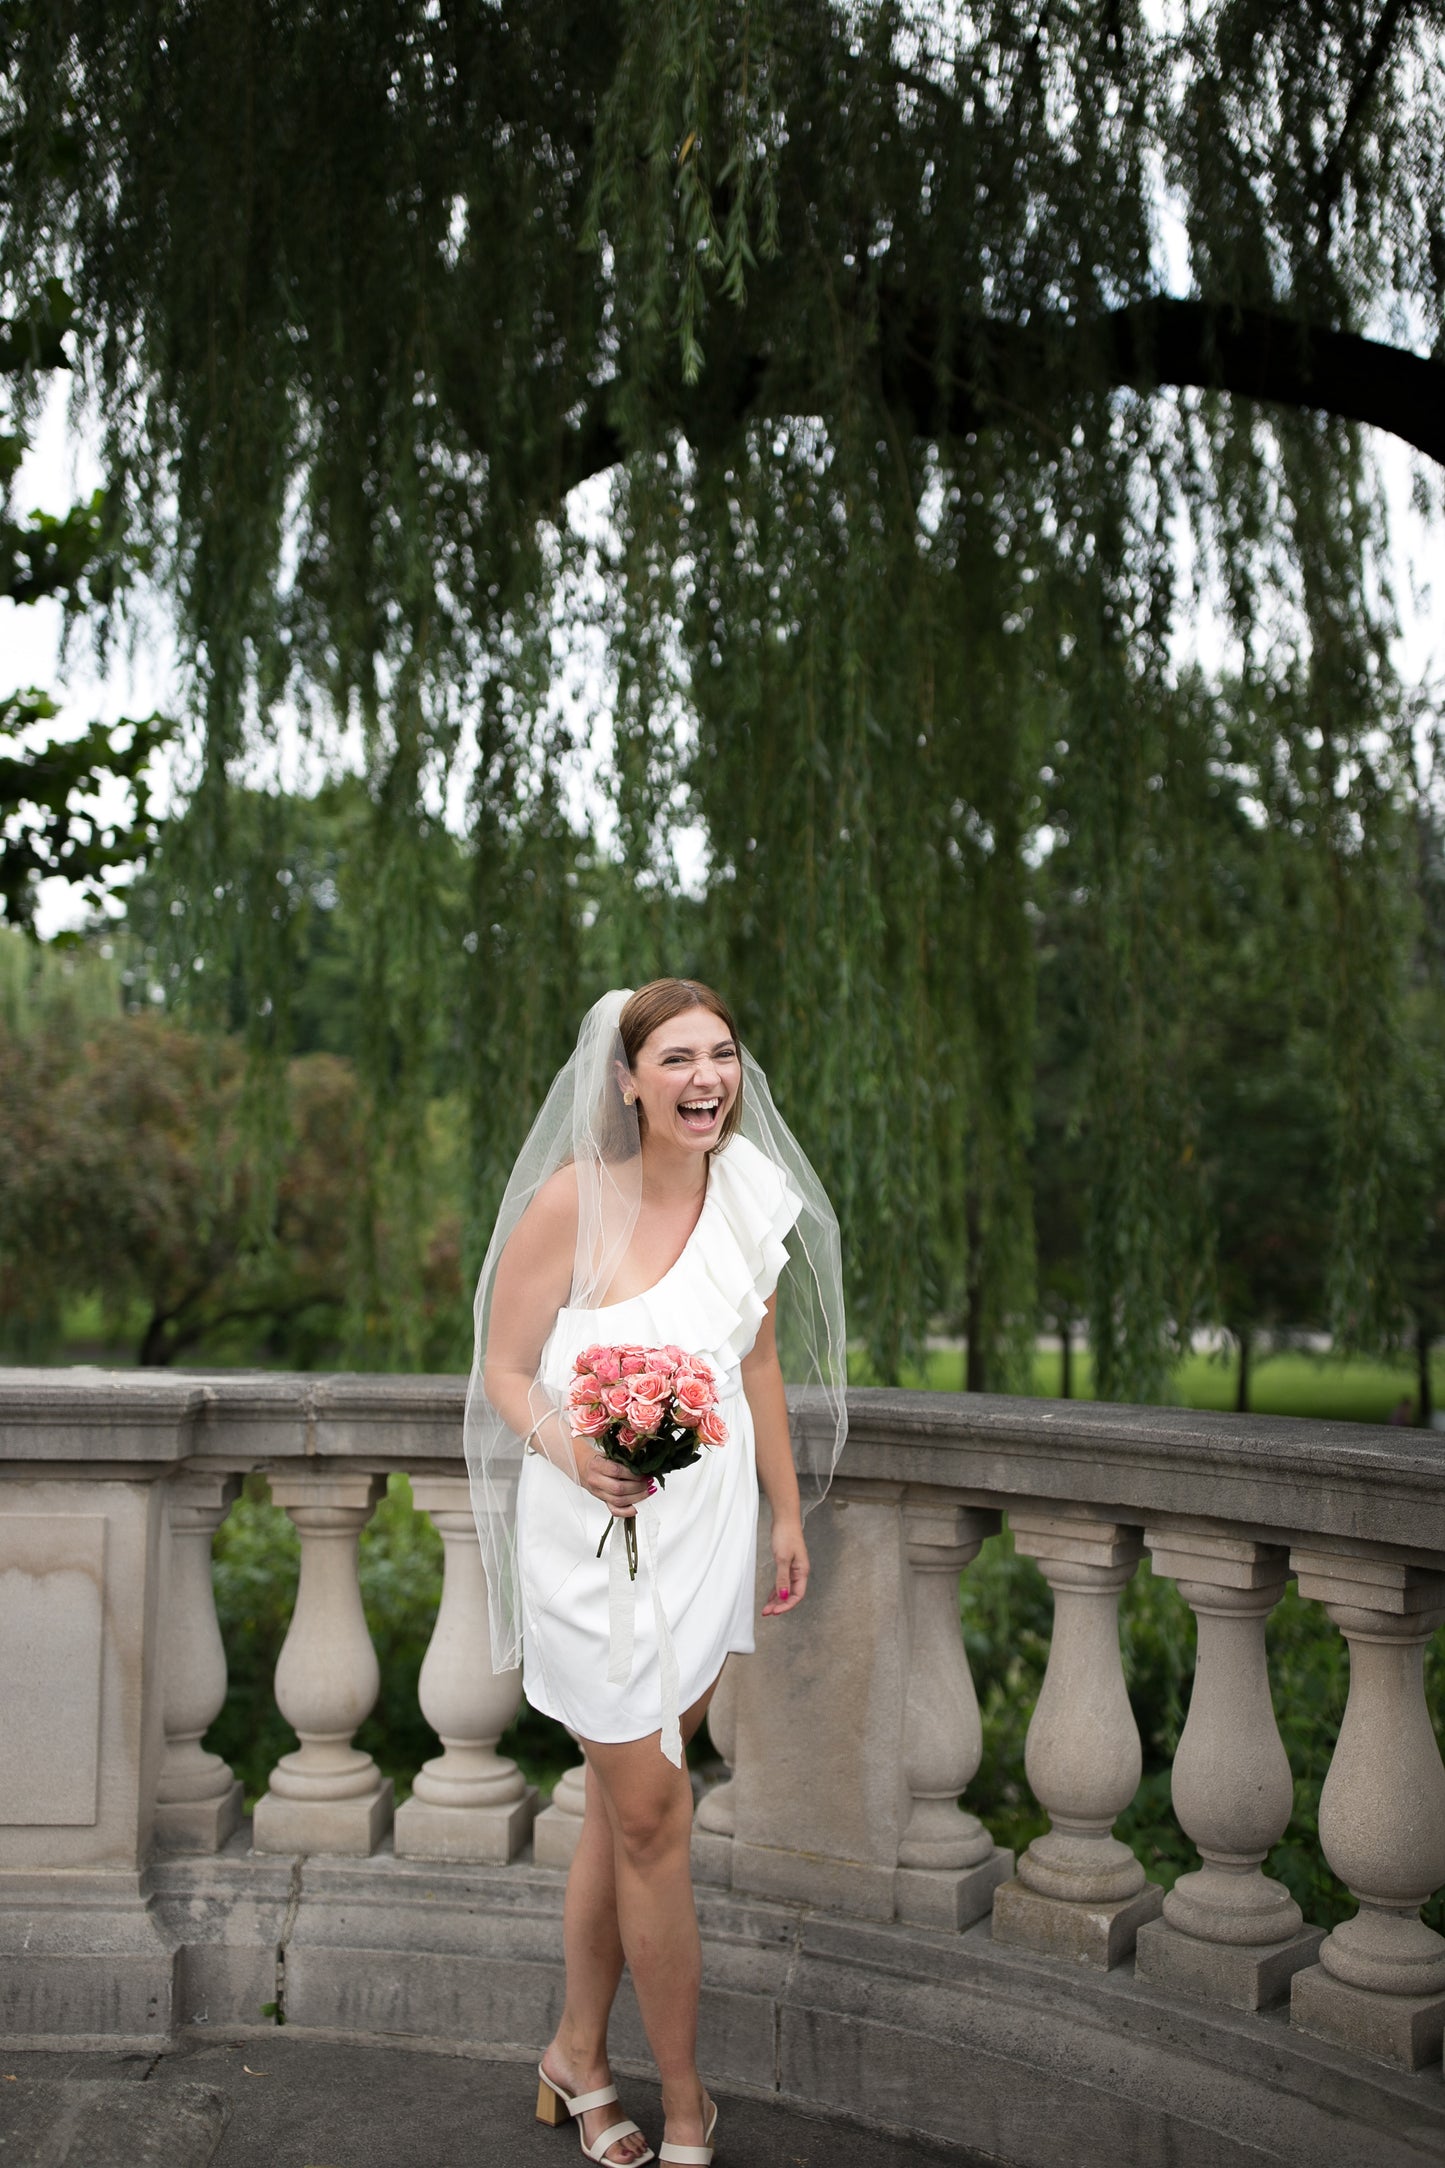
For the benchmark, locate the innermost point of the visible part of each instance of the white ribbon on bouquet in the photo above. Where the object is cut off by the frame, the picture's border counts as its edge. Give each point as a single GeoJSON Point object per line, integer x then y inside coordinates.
{"type": "Point", "coordinates": [622, 1635]}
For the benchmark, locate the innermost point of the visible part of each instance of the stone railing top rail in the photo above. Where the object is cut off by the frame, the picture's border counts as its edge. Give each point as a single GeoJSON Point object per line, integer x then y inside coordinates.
{"type": "Point", "coordinates": [1278, 1476]}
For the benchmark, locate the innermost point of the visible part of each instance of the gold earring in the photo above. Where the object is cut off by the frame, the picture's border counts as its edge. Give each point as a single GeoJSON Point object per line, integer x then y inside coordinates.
{"type": "Point", "coordinates": [629, 1099]}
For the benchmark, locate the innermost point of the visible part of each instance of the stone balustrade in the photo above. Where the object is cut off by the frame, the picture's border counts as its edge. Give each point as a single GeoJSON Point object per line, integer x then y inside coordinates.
{"type": "Point", "coordinates": [132, 1892]}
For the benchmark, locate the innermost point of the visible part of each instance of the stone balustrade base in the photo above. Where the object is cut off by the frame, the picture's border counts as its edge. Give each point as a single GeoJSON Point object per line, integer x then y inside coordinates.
{"type": "Point", "coordinates": [1406, 2031]}
{"type": "Point", "coordinates": [1245, 1976]}
{"type": "Point", "coordinates": [351, 1827]}
{"type": "Point", "coordinates": [951, 1898]}
{"type": "Point", "coordinates": [947, 1897]}
{"type": "Point", "coordinates": [554, 1837]}
{"type": "Point", "coordinates": [85, 1961]}
{"type": "Point", "coordinates": [861, 1887]}
{"type": "Point", "coordinates": [200, 1825]}
{"type": "Point", "coordinates": [871, 2022]}
{"type": "Point", "coordinates": [486, 1836]}
{"type": "Point", "coordinates": [712, 1858]}
{"type": "Point", "coordinates": [1071, 1927]}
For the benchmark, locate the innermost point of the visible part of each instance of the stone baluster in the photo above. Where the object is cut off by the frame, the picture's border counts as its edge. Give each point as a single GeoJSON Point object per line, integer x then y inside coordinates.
{"type": "Point", "coordinates": [328, 1796]}
{"type": "Point", "coordinates": [1228, 1933]}
{"type": "Point", "coordinates": [714, 1822]}
{"type": "Point", "coordinates": [559, 1825]}
{"type": "Point", "coordinates": [1379, 1986]}
{"type": "Point", "coordinates": [1079, 1891]}
{"type": "Point", "coordinates": [948, 1864]}
{"type": "Point", "coordinates": [198, 1800]}
{"type": "Point", "coordinates": [470, 1803]}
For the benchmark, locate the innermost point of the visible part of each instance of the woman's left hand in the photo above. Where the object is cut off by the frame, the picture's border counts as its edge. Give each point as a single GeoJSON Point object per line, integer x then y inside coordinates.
{"type": "Point", "coordinates": [790, 1569]}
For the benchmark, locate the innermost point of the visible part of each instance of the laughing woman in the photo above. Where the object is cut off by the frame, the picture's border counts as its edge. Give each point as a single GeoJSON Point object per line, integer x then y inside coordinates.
{"type": "Point", "coordinates": [659, 1199]}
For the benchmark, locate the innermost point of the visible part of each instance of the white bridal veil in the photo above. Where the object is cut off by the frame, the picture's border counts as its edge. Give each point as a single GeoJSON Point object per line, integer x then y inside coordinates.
{"type": "Point", "coordinates": [585, 1122]}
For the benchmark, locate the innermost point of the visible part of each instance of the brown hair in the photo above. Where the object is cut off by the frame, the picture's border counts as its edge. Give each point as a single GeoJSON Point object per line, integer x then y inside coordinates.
{"type": "Point", "coordinates": [658, 1003]}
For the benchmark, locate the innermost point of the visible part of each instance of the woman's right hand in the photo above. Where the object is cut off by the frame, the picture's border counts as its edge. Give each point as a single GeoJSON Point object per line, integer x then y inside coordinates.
{"type": "Point", "coordinates": [608, 1481]}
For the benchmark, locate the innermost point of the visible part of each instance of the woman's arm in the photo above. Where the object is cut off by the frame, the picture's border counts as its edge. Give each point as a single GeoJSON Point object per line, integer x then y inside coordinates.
{"type": "Point", "coordinates": [534, 1279]}
{"type": "Point", "coordinates": [777, 1476]}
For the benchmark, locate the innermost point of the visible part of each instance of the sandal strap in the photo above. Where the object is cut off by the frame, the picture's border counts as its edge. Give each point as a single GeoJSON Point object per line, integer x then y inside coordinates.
{"type": "Point", "coordinates": [579, 2103]}
{"type": "Point", "coordinates": [687, 2156]}
{"type": "Point", "coordinates": [610, 2137]}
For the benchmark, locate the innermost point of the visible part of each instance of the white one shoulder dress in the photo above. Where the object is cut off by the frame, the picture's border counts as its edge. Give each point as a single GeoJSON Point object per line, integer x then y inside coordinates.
{"type": "Point", "coordinates": [609, 1659]}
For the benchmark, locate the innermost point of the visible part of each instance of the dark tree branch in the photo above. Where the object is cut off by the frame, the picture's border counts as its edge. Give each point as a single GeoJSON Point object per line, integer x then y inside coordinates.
{"type": "Point", "coordinates": [1332, 172]}
{"type": "Point", "coordinates": [1035, 373]}
{"type": "Point", "coordinates": [1260, 354]}
{"type": "Point", "coordinates": [157, 1349]}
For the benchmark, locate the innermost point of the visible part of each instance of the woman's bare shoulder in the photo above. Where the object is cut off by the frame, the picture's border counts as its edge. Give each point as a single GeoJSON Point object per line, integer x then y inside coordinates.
{"type": "Point", "coordinates": [549, 1223]}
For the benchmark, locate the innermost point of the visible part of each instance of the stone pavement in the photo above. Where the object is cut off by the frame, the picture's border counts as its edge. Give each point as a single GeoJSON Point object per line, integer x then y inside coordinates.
{"type": "Point", "coordinates": [280, 2100]}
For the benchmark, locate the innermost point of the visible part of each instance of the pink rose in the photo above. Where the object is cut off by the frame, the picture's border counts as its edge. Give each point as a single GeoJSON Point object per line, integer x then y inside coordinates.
{"type": "Point", "coordinates": [587, 1360]}
{"type": "Point", "coordinates": [606, 1366]}
{"type": "Point", "coordinates": [677, 1356]}
{"type": "Point", "coordinates": [644, 1416]}
{"type": "Point", "coordinates": [626, 1439]}
{"type": "Point", "coordinates": [590, 1422]}
{"type": "Point", "coordinates": [633, 1362]}
{"type": "Point", "coordinates": [694, 1389]}
{"type": "Point", "coordinates": [712, 1429]}
{"type": "Point", "coordinates": [615, 1398]}
{"type": "Point", "coordinates": [651, 1390]}
{"type": "Point", "coordinates": [686, 1418]}
{"type": "Point", "coordinates": [584, 1388]}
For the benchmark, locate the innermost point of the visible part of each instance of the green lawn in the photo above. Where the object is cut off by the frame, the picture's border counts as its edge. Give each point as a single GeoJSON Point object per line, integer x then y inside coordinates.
{"type": "Point", "coordinates": [1333, 1388]}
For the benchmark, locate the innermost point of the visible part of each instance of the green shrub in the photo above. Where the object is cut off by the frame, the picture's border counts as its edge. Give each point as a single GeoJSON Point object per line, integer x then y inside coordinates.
{"type": "Point", "coordinates": [255, 1564]}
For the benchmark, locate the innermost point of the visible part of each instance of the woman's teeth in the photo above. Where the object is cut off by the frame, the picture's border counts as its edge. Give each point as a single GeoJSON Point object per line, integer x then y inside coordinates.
{"type": "Point", "coordinates": [700, 1112]}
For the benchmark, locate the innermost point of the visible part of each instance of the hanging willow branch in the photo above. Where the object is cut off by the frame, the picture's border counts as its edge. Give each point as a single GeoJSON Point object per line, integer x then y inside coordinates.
{"type": "Point", "coordinates": [863, 310]}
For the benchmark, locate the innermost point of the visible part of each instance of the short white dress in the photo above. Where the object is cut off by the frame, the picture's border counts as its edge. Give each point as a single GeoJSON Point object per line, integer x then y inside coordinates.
{"type": "Point", "coordinates": [697, 1535]}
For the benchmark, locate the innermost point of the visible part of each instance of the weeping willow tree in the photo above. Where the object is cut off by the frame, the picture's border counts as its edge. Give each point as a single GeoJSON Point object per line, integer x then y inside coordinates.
{"type": "Point", "coordinates": [855, 313]}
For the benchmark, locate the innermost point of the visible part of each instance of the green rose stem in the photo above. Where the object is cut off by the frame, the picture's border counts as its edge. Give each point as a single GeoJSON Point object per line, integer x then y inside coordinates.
{"type": "Point", "coordinates": [630, 1525]}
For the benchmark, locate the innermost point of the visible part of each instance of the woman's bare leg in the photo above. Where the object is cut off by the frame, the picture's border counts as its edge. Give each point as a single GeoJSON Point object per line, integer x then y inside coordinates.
{"type": "Point", "coordinates": [577, 2055]}
{"type": "Point", "coordinates": [649, 1806]}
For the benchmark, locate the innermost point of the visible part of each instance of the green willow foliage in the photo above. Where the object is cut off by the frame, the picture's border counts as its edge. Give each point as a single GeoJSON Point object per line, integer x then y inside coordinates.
{"type": "Point", "coordinates": [853, 299]}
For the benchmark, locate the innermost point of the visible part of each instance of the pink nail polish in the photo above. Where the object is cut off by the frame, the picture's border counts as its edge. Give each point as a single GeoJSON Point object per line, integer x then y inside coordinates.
{"type": "Point", "coordinates": [782, 1595]}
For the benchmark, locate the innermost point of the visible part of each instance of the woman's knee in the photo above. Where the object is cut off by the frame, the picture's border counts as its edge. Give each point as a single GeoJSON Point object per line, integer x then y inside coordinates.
{"type": "Point", "coordinates": [651, 1815]}
{"type": "Point", "coordinates": [651, 1830]}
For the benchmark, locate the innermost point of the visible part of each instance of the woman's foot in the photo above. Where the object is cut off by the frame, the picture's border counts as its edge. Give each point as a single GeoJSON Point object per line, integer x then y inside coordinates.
{"type": "Point", "coordinates": [576, 2075]}
{"type": "Point", "coordinates": [691, 2120]}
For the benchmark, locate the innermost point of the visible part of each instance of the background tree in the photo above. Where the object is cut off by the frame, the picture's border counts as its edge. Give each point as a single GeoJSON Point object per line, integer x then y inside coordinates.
{"type": "Point", "coordinates": [862, 312]}
{"type": "Point", "coordinates": [121, 1183]}
{"type": "Point", "coordinates": [51, 825]}
{"type": "Point", "coordinates": [1263, 1085]}
{"type": "Point", "coordinates": [1418, 1203]}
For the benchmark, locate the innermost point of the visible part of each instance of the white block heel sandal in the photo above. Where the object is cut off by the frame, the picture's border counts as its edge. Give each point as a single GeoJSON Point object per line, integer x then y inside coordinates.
{"type": "Point", "coordinates": [555, 2107]}
{"type": "Point", "coordinates": [693, 2156]}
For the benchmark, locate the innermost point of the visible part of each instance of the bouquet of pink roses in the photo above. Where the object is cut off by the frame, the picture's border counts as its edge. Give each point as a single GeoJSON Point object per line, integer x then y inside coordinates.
{"type": "Point", "coordinates": [651, 1409]}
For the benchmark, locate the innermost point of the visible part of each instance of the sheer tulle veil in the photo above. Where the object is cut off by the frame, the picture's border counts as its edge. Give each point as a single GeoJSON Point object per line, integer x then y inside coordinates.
{"type": "Point", "coordinates": [585, 1122]}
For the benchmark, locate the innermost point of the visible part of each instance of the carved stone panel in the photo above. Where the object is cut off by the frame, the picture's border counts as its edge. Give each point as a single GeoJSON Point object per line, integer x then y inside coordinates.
{"type": "Point", "coordinates": [52, 1586]}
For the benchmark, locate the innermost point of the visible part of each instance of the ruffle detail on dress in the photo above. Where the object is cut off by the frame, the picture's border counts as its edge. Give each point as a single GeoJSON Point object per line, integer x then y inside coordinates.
{"type": "Point", "coordinates": [732, 1267]}
{"type": "Point", "coordinates": [719, 1285]}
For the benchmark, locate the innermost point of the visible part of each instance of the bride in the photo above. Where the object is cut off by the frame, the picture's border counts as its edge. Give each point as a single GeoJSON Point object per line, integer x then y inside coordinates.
{"type": "Point", "coordinates": [660, 1198]}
